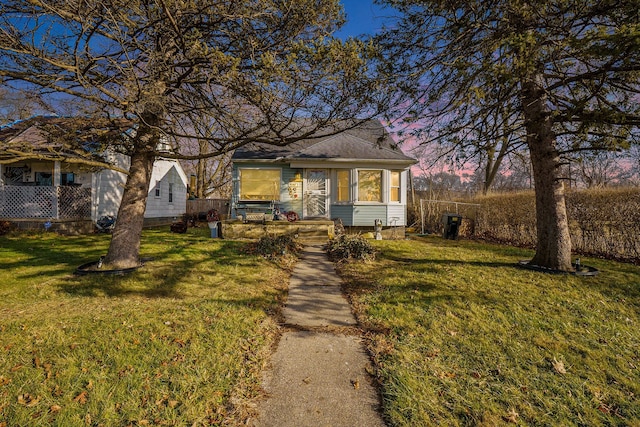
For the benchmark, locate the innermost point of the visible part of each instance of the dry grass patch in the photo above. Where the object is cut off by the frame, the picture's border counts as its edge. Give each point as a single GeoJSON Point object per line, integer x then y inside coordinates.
{"type": "Point", "coordinates": [461, 336]}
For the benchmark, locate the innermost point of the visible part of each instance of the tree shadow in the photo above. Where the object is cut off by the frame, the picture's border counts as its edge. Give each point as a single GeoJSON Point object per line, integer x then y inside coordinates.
{"type": "Point", "coordinates": [158, 278]}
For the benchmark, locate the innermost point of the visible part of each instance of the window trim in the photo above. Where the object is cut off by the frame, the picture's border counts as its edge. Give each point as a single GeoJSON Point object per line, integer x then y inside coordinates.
{"type": "Point", "coordinates": [399, 186]}
{"type": "Point", "coordinates": [158, 192]}
{"type": "Point", "coordinates": [279, 192]}
{"type": "Point", "coordinates": [349, 194]}
{"type": "Point", "coordinates": [380, 200]}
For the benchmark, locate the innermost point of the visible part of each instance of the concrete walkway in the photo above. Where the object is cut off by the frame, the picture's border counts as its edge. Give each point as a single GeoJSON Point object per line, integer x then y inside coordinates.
{"type": "Point", "coordinates": [318, 373]}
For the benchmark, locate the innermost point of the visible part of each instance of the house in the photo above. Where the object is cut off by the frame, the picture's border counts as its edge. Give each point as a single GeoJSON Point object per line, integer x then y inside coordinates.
{"type": "Point", "coordinates": [51, 184]}
{"type": "Point", "coordinates": [358, 176]}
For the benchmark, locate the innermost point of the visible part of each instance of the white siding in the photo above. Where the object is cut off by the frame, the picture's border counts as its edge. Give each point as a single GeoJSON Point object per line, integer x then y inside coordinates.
{"type": "Point", "coordinates": [166, 173]}
{"type": "Point", "coordinates": [109, 185]}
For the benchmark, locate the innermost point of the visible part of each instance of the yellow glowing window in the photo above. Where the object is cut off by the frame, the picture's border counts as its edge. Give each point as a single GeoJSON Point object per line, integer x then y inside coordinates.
{"type": "Point", "coordinates": [343, 185]}
{"type": "Point", "coordinates": [394, 188]}
{"type": "Point", "coordinates": [259, 184]}
{"type": "Point", "coordinates": [369, 186]}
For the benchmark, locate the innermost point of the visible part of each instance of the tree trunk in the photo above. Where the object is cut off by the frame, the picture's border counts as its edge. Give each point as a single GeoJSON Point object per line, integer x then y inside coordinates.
{"type": "Point", "coordinates": [201, 186]}
{"type": "Point", "coordinates": [553, 249]}
{"type": "Point", "coordinates": [124, 249]}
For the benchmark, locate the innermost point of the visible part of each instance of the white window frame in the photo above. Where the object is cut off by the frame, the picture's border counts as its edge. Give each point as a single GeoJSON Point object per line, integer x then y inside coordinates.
{"type": "Point", "coordinates": [279, 193]}
{"type": "Point", "coordinates": [381, 200]}
{"type": "Point", "coordinates": [157, 189]}
{"type": "Point", "coordinates": [399, 186]}
{"type": "Point", "coordinates": [349, 186]}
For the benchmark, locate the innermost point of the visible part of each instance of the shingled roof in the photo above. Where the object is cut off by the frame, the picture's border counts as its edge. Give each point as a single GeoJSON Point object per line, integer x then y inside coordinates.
{"type": "Point", "coordinates": [367, 142]}
{"type": "Point", "coordinates": [70, 137]}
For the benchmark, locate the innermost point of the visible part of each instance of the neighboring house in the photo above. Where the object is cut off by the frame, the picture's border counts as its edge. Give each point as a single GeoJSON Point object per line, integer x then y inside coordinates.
{"type": "Point", "coordinates": [358, 176]}
{"type": "Point", "coordinates": [35, 188]}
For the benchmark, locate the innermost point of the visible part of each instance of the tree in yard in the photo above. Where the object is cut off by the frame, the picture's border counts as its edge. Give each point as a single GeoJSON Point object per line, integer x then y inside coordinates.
{"type": "Point", "coordinates": [250, 69]}
{"type": "Point", "coordinates": [564, 73]}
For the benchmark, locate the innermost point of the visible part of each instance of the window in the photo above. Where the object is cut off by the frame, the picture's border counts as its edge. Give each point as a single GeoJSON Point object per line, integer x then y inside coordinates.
{"type": "Point", "coordinates": [259, 184]}
{"type": "Point", "coordinates": [369, 186]}
{"type": "Point", "coordinates": [44, 179]}
{"type": "Point", "coordinates": [394, 186]}
{"type": "Point", "coordinates": [342, 178]}
{"type": "Point", "coordinates": [157, 189]}
{"type": "Point", "coordinates": [171, 192]}
{"type": "Point", "coordinates": [67, 178]}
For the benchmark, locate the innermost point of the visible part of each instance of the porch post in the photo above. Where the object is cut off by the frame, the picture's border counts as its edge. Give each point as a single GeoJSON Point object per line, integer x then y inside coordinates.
{"type": "Point", "coordinates": [56, 189]}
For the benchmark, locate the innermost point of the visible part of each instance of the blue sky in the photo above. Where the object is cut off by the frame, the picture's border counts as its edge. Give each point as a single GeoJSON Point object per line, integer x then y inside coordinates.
{"type": "Point", "coordinates": [363, 17]}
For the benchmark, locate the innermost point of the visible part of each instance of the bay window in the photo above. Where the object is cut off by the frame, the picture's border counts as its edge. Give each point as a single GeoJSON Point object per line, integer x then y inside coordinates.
{"type": "Point", "coordinates": [370, 186]}
{"type": "Point", "coordinates": [394, 186]}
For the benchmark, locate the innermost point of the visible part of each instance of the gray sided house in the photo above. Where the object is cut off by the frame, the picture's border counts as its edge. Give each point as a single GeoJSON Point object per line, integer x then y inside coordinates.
{"type": "Point", "coordinates": [358, 176]}
{"type": "Point", "coordinates": [37, 187]}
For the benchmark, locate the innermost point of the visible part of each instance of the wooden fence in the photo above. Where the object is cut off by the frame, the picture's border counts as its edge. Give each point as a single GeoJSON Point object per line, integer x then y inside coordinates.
{"type": "Point", "coordinates": [202, 206]}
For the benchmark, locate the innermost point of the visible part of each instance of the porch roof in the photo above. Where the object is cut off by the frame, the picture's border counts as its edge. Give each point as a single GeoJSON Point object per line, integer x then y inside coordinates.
{"type": "Point", "coordinates": [57, 138]}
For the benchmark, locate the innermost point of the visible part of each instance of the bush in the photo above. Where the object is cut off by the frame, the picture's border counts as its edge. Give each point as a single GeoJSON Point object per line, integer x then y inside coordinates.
{"type": "Point", "coordinates": [275, 246]}
{"type": "Point", "coordinates": [602, 222]}
{"type": "Point", "coordinates": [349, 246]}
{"type": "Point", "coordinates": [5, 227]}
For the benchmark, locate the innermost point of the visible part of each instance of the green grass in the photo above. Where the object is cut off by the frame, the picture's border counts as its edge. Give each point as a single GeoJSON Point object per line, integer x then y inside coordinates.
{"type": "Point", "coordinates": [461, 336]}
{"type": "Point", "coordinates": [181, 341]}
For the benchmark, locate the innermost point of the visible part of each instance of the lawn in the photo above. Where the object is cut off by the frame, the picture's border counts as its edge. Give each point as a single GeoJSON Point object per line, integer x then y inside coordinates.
{"type": "Point", "coordinates": [181, 341]}
{"type": "Point", "coordinates": [461, 336]}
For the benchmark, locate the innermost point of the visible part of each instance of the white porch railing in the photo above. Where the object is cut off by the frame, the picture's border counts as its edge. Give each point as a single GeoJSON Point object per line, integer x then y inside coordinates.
{"type": "Point", "coordinates": [38, 202]}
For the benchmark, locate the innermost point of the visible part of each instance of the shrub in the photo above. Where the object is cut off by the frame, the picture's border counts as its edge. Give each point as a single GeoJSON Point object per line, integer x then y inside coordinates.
{"type": "Point", "coordinates": [5, 227]}
{"type": "Point", "coordinates": [275, 246]}
{"type": "Point", "coordinates": [350, 246]}
{"type": "Point", "coordinates": [602, 222]}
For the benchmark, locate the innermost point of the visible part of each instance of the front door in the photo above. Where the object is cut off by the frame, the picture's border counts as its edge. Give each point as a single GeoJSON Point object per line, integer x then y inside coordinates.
{"type": "Point", "coordinates": [315, 193]}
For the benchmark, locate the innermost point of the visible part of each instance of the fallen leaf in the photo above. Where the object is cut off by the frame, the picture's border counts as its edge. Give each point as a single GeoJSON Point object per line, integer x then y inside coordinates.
{"type": "Point", "coordinates": [27, 400]}
{"type": "Point", "coordinates": [558, 366]}
{"type": "Point", "coordinates": [443, 375]}
{"type": "Point", "coordinates": [173, 403]}
{"type": "Point", "coordinates": [511, 417]}
{"type": "Point", "coordinates": [15, 368]}
{"type": "Point", "coordinates": [54, 409]}
{"type": "Point", "coordinates": [81, 398]}
{"type": "Point", "coordinates": [355, 383]}
{"type": "Point", "coordinates": [306, 380]}
{"type": "Point", "coordinates": [47, 370]}
{"type": "Point", "coordinates": [4, 380]}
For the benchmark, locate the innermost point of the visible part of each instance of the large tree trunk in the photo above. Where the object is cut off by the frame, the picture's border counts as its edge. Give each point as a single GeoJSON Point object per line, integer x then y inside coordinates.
{"type": "Point", "coordinates": [553, 249]}
{"type": "Point", "coordinates": [124, 249]}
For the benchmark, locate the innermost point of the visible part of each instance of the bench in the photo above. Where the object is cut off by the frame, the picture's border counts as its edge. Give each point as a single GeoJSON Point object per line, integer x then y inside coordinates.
{"type": "Point", "coordinates": [255, 210]}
